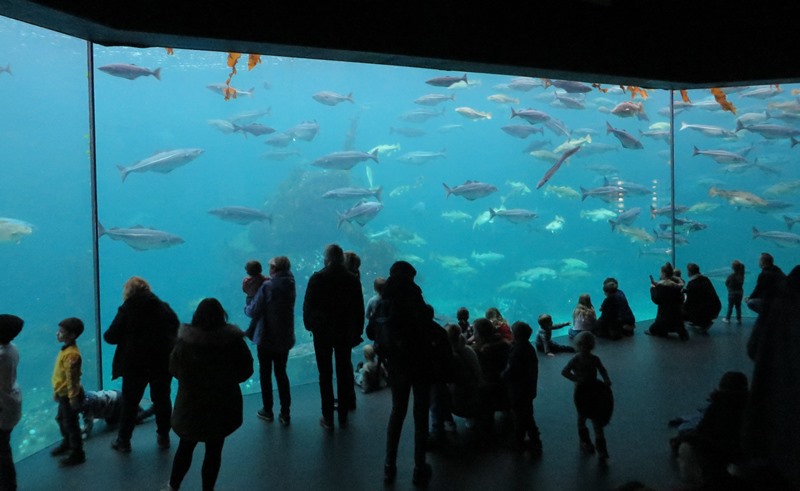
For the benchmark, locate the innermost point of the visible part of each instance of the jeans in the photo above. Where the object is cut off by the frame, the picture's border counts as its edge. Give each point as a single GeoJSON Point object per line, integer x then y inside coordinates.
{"type": "Point", "coordinates": [735, 301]}
{"type": "Point", "coordinates": [324, 352]}
{"type": "Point", "coordinates": [183, 461]}
{"type": "Point", "coordinates": [69, 426]}
{"type": "Point", "coordinates": [441, 407]}
{"type": "Point", "coordinates": [132, 391]}
{"type": "Point", "coordinates": [8, 473]}
{"type": "Point", "coordinates": [266, 360]}
{"type": "Point", "coordinates": [402, 387]}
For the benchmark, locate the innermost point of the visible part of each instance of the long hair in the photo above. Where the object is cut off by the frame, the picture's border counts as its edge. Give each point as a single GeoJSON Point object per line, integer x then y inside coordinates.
{"type": "Point", "coordinates": [134, 286]}
{"type": "Point", "coordinates": [209, 314]}
{"type": "Point", "coordinates": [738, 269]}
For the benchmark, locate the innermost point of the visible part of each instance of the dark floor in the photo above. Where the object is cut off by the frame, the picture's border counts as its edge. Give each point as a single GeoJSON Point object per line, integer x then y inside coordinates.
{"type": "Point", "coordinates": [653, 379]}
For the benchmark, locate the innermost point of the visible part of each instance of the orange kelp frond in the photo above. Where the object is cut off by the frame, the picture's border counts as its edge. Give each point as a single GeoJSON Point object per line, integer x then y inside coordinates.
{"type": "Point", "coordinates": [600, 88]}
{"type": "Point", "coordinates": [170, 51]}
{"type": "Point", "coordinates": [795, 91]}
{"type": "Point", "coordinates": [252, 61]}
{"type": "Point", "coordinates": [233, 58]}
{"type": "Point", "coordinates": [722, 100]}
{"type": "Point", "coordinates": [637, 91]}
{"type": "Point", "coordinates": [229, 92]}
{"type": "Point", "coordinates": [685, 96]}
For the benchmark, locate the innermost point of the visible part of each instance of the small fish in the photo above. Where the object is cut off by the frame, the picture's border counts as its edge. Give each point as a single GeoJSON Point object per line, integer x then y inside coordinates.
{"type": "Point", "coordinates": [434, 99]}
{"type": "Point", "coordinates": [486, 257]}
{"type": "Point", "coordinates": [162, 162]}
{"type": "Point", "coordinates": [572, 143]}
{"type": "Point", "coordinates": [574, 263]}
{"type": "Point", "coordinates": [279, 140]}
{"type": "Point", "coordinates": [13, 230]}
{"type": "Point", "coordinates": [515, 285]}
{"type": "Point", "coordinates": [344, 160]}
{"type": "Point", "coordinates": [524, 84]}
{"type": "Point", "coordinates": [556, 225]}
{"type": "Point", "coordinates": [636, 234]}
{"type": "Point", "coordinates": [247, 117]}
{"type": "Point", "coordinates": [456, 216]}
{"type": "Point", "coordinates": [222, 125]}
{"type": "Point", "coordinates": [562, 192]}
{"type": "Point", "coordinates": [625, 138]}
{"type": "Point", "coordinates": [332, 98]}
{"type": "Point", "coordinates": [470, 190]}
{"type": "Point", "coordinates": [420, 157]}
{"type": "Point", "coordinates": [702, 207]}
{"type": "Point", "coordinates": [281, 155]}
{"type": "Point", "coordinates": [514, 215]}
{"type": "Point", "coordinates": [361, 213]}
{"type": "Point", "coordinates": [567, 102]}
{"type": "Point", "coordinates": [537, 273]}
{"type": "Point", "coordinates": [420, 115]}
{"type": "Point", "coordinates": [473, 114]}
{"type": "Point", "coordinates": [609, 194]}
{"type": "Point", "coordinates": [141, 238]}
{"type": "Point", "coordinates": [6, 69]}
{"type": "Point", "coordinates": [762, 92]}
{"type": "Point", "coordinates": [385, 149]}
{"type": "Point", "coordinates": [502, 99]}
{"type": "Point", "coordinates": [446, 81]}
{"type": "Point", "coordinates": [598, 214]}
{"type": "Point", "coordinates": [781, 239]}
{"type": "Point", "coordinates": [241, 215]}
{"type": "Point", "coordinates": [481, 219]}
{"type": "Point", "coordinates": [306, 131]}
{"type": "Point", "coordinates": [228, 91]}
{"type": "Point", "coordinates": [131, 72]}
{"type": "Point", "coordinates": [518, 187]}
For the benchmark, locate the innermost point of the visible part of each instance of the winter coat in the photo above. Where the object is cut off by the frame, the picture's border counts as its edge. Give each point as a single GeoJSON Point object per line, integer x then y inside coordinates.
{"type": "Point", "coordinates": [412, 330]}
{"type": "Point", "coordinates": [273, 309]}
{"type": "Point", "coordinates": [333, 307]}
{"type": "Point", "coordinates": [10, 394]}
{"type": "Point", "coordinates": [209, 365]}
{"type": "Point", "coordinates": [144, 331]}
{"type": "Point", "coordinates": [614, 313]}
{"type": "Point", "coordinates": [521, 375]}
{"type": "Point", "coordinates": [702, 304]}
{"type": "Point", "coordinates": [668, 296]}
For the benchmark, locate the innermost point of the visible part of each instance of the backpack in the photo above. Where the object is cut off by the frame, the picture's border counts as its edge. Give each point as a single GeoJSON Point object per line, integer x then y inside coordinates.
{"type": "Point", "coordinates": [379, 329]}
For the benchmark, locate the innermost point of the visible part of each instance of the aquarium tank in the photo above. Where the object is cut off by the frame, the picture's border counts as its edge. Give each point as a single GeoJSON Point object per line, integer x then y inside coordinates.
{"type": "Point", "coordinates": [514, 192]}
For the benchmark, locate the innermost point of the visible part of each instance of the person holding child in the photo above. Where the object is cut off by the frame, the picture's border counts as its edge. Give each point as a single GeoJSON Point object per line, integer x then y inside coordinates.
{"type": "Point", "coordinates": [68, 392]}
{"type": "Point", "coordinates": [593, 399]}
{"type": "Point", "coordinates": [521, 376]}
{"type": "Point", "coordinates": [250, 286]}
{"type": "Point", "coordinates": [10, 397]}
{"type": "Point", "coordinates": [544, 343]}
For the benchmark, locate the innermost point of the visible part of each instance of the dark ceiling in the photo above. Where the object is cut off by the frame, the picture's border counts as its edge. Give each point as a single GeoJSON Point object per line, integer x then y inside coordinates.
{"type": "Point", "coordinates": [678, 44]}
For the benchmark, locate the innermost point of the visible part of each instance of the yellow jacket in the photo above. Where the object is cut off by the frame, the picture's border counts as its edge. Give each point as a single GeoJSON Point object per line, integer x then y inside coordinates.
{"type": "Point", "coordinates": [67, 373]}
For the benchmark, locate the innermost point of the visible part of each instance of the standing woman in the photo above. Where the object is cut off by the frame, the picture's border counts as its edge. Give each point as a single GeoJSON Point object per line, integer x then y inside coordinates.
{"type": "Point", "coordinates": [210, 360]}
{"type": "Point", "coordinates": [10, 397]}
{"type": "Point", "coordinates": [144, 331]}
{"type": "Point", "coordinates": [273, 310]}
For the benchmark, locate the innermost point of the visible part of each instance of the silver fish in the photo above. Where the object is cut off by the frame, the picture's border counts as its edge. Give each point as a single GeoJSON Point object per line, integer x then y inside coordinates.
{"type": "Point", "coordinates": [522, 131]}
{"type": "Point", "coordinates": [514, 215]}
{"type": "Point", "coordinates": [420, 115]}
{"type": "Point", "coordinates": [350, 192]}
{"type": "Point", "coordinates": [332, 98]}
{"type": "Point", "coordinates": [344, 160]}
{"type": "Point", "coordinates": [280, 140]}
{"type": "Point", "coordinates": [131, 72]}
{"type": "Point", "coordinates": [608, 194]}
{"type": "Point", "coordinates": [627, 217]}
{"type": "Point", "coordinates": [162, 162]}
{"type": "Point", "coordinates": [408, 132]}
{"type": "Point", "coordinates": [255, 129]}
{"type": "Point", "coordinates": [13, 230]}
{"type": "Point", "coordinates": [306, 131]}
{"type": "Point", "coordinates": [446, 81]}
{"type": "Point", "coordinates": [434, 99]}
{"type": "Point", "coordinates": [241, 215]}
{"type": "Point", "coordinates": [626, 139]}
{"type": "Point", "coordinates": [530, 115]}
{"type": "Point", "coordinates": [782, 239]}
{"type": "Point", "coordinates": [707, 130]}
{"type": "Point", "coordinates": [770, 131]}
{"type": "Point", "coordinates": [141, 238]}
{"type": "Point", "coordinates": [420, 157]}
{"type": "Point", "coordinates": [721, 156]}
{"type": "Point", "coordinates": [361, 213]}
{"type": "Point", "coordinates": [470, 190]}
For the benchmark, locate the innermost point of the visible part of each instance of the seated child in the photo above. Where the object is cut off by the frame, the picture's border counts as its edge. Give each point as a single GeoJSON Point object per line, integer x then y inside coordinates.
{"type": "Point", "coordinates": [370, 376]}
{"type": "Point", "coordinates": [107, 405]}
{"type": "Point", "coordinates": [543, 338]}
{"type": "Point", "coordinates": [462, 315]}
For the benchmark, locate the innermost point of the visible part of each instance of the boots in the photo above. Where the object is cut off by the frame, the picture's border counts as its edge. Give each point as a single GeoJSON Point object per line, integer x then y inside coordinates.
{"type": "Point", "coordinates": [586, 440]}
{"type": "Point", "coordinates": [602, 451]}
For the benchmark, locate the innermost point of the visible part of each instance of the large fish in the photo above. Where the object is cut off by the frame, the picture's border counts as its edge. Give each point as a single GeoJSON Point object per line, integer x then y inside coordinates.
{"type": "Point", "coordinates": [514, 215]}
{"type": "Point", "coordinates": [446, 81]}
{"type": "Point", "coordinates": [434, 99]}
{"type": "Point", "coordinates": [597, 214]}
{"type": "Point", "coordinates": [502, 99]}
{"type": "Point", "coordinates": [524, 84]}
{"type": "Point", "coordinates": [306, 131]}
{"type": "Point", "coordinates": [738, 198]}
{"type": "Point", "coordinates": [280, 140]}
{"type": "Point", "coordinates": [530, 115]}
{"type": "Point", "coordinates": [470, 190]}
{"type": "Point", "coordinates": [13, 230]}
{"type": "Point", "coordinates": [344, 160]}
{"type": "Point", "coordinates": [131, 72]}
{"type": "Point", "coordinates": [770, 131]}
{"type": "Point", "coordinates": [609, 194]}
{"type": "Point", "coordinates": [473, 114]}
{"type": "Point", "coordinates": [636, 234]}
{"type": "Point", "coordinates": [350, 192]}
{"type": "Point", "coordinates": [721, 156]}
{"type": "Point", "coordinates": [781, 239]}
{"type": "Point", "coordinates": [332, 98]}
{"type": "Point", "coordinates": [626, 139]}
{"type": "Point", "coordinates": [547, 175]}
{"type": "Point", "coordinates": [361, 213]}
{"type": "Point", "coordinates": [707, 130]}
{"type": "Point", "coordinates": [627, 217]}
{"type": "Point", "coordinates": [570, 86]}
{"type": "Point", "coordinates": [241, 215]}
{"type": "Point", "coordinates": [141, 238]}
{"type": "Point", "coordinates": [420, 157]}
{"type": "Point", "coordinates": [522, 131]}
{"type": "Point", "coordinates": [255, 129]}
{"type": "Point", "coordinates": [628, 109]}
{"type": "Point", "coordinates": [162, 162]}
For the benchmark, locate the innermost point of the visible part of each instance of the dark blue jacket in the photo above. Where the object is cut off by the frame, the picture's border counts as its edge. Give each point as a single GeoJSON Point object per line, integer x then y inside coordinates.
{"type": "Point", "coordinates": [273, 308]}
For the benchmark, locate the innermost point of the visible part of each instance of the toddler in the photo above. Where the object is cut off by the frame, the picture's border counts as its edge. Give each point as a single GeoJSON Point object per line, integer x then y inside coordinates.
{"type": "Point", "coordinates": [543, 338]}
{"type": "Point", "coordinates": [68, 392]}
{"type": "Point", "coordinates": [593, 399]}
{"type": "Point", "coordinates": [584, 316]}
{"type": "Point", "coordinates": [370, 376]}
{"type": "Point", "coordinates": [735, 285]}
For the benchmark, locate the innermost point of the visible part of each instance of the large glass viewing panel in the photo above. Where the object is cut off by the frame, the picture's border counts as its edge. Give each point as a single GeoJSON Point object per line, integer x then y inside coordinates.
{"type": "Point", "coordinates": [509, 192]}
{"type": "Point", "coordinates": [45, 213]}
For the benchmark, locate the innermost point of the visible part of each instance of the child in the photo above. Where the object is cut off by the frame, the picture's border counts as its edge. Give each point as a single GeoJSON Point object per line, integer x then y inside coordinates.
{"type": "Point", "coordinates": [370, 376]}
{"type": "Point", "coordinates": [593, 400]}
{"type": "Point", "coordinates": [68, 392]}
{"type": "Point", "coordinates": [10, 397]}
{"type": "Point", "coordinates": [543, 338]}
{"type": "Point", "coordinates": [735, 285]}
{"type": "Point", "coordinates": [462, 315]}
{"type": "Point", "coordinates": [378, 285]}
{"type": "Point", "coordinates": [250, 285]}
{"type": "Point", "coordinates": [583, 317]}
{"type": "Point", "coordinates": [106, 405]}
{"type": "Point", "coordinates": [521, 376]}
{"type": "Point", "coordinates": [500, 324]}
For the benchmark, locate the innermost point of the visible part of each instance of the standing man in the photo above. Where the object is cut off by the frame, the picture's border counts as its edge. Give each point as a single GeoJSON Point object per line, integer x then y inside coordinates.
{"type": "Point", "coordinates": [701, 305]}
{"type": "Point", "coordinates": [769, 284]}
{"type": "Point", "coordinates": [333, 310]}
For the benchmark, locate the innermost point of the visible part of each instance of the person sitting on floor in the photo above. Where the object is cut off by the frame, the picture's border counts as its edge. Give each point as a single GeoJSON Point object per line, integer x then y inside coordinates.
{"type": "Point", "coordinates": [544, 344]}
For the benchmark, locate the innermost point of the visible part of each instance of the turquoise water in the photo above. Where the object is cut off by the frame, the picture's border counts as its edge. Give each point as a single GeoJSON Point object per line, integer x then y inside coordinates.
{"type": "Point", "coordinates": [524, 269]}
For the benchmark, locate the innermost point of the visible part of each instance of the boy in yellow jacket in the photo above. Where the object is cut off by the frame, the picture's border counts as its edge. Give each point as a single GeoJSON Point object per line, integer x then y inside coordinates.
{"type": "Point", "coordinates": [68, 392]}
